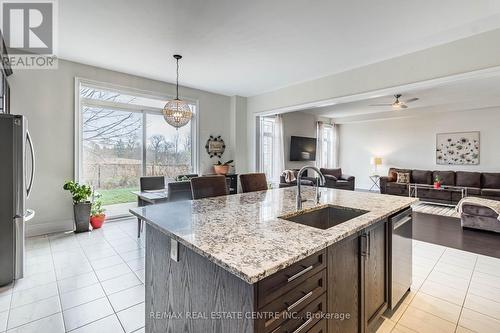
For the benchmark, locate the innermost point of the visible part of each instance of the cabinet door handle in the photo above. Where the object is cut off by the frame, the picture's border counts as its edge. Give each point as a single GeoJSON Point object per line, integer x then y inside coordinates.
{"type": "Point", "coordinates": [299, 274]}
{"type": "Point", "coordinates": [304, 325]}
{"type": "Point", "coordinates": [300, 300]}
{"type": "Point", "coordinates": [368, 243]}
{"type": "Point", "coordinates": [364, 245]}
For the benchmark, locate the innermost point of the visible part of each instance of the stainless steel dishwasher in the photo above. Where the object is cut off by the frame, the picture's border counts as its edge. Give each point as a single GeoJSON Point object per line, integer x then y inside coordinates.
{"type": "Point", "coordinates": [400, 256]}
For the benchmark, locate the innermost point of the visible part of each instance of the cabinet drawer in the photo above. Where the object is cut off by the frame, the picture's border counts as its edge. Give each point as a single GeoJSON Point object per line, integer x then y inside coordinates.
{"type": "Point", "coordinates": [289, 278]}
{"type": "Point", "coordinates": [293, 301]}
{"type": "Point", "coordinates": [305, 319]}
{"type": "Point", "coordinates": [320, 327]}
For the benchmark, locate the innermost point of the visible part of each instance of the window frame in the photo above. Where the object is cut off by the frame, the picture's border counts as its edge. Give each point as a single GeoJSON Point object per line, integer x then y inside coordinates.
{"type": "Point", "coordinates": [79, 102]}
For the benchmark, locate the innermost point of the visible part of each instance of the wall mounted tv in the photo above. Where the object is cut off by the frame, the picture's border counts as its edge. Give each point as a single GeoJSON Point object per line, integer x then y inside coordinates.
{"type": "Point", "coordinates": [302, 148]}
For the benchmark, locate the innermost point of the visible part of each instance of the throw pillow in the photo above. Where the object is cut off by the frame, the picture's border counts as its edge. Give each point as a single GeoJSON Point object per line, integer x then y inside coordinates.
{"type": "Point", "coordinates": [403, 177]}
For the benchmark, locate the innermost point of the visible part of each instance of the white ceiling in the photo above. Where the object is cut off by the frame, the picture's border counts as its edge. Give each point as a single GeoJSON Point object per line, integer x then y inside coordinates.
{"type": "Point", "coordinates": [241, 47]}
{"type": "Point", "coordinates": [466, 94]}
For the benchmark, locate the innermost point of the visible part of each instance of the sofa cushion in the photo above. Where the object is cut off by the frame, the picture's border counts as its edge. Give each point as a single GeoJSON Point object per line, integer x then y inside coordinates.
{"type": "Point", "coordinates": [490, 192]}
{"type": "Point", "coordinates": [403, 177]}
{"type": "Point", "coordinates": [421, 177]}
{"type": "Point", "coordinates": [473, 191]}
{"type": "Point", "coordinates": [397, 188]}
{"type": "Point", "coordinates": [337, 173]}
{"type": "Point", "coordinates": [393, 173]}
{"type": "Point", "coordinates": [468, 179]}
{"type": "Point", "coordinates": [490, 180]}
{"type": "Point", "coordinates": [447, 177]}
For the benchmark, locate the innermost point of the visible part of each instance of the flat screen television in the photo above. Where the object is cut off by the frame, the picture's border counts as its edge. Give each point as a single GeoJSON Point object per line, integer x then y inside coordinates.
{"type": "Point", "coordinates": [302, 148]}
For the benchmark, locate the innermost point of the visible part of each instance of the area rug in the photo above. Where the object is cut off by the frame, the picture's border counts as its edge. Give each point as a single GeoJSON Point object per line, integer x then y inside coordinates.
{"type": "Point", "coordinates": [427, 208]}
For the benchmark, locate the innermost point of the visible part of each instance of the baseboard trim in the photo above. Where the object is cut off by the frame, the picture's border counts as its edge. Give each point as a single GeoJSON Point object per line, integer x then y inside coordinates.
{"type": "Point", "coordinates": [38, 229]}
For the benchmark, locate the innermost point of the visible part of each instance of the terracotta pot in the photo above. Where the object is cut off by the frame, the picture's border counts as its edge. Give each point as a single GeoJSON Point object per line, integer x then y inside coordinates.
{"type": "Point", "coordinates": [97, 220]}
{"type": "Point", "coordinates": [437, 185]}
{"type": "Point", "coordinates": [221, 169]}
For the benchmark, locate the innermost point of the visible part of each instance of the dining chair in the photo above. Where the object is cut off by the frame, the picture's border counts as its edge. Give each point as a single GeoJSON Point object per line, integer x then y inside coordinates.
{"type": "Point", "coordinates": [252, 182]}
{"type": "Point", "coordinates": [178, 191]}
{"type": "Point", "coordinates": [150, 183]}
{"type": "Point", "coordinates": [209, 186]}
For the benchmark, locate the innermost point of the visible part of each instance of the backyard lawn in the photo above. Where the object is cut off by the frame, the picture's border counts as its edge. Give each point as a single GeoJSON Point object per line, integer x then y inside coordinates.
{"type": "Point", "coordinates": [118, 195]}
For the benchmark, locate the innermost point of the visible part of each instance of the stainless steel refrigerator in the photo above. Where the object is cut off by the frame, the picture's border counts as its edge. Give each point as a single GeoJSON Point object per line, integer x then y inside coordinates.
{"type": "Point", "coordinates": [17, 168]}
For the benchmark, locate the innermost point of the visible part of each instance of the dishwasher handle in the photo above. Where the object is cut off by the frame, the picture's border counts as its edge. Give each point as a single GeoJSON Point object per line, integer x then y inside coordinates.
{"type": "Point", "coordinates": [401, 222]}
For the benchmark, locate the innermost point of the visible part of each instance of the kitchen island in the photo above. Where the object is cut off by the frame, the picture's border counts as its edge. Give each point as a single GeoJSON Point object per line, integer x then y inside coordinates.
{"type": "Point", "coordinates": [240, 264]}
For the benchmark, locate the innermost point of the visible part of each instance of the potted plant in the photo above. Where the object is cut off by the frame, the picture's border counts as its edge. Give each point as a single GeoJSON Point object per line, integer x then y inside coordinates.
{"type": "Point", "coordinates": [222, 168]}
{"type": "Point", "coordinates": [437, 182]}
{"type": "Point", "coordinates": [81, 204]}
{"type": "Point", "coordinates": [97, 215]}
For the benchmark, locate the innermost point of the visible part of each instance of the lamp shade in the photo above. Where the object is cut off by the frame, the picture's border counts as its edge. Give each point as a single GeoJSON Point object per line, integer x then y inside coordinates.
{"type": "Point", "coordinates": [376, 161]}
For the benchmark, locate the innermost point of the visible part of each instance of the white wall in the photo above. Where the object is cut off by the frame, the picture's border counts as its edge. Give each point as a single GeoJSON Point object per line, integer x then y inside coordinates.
{"type": "Point", "coordinates": [46, 97]}
{"type": "Point", "coordinates": [458, 57]}
{"type": "Point", "coordinates": [411, 142]}
{"type": "Point", "coordinates": [298, 124]}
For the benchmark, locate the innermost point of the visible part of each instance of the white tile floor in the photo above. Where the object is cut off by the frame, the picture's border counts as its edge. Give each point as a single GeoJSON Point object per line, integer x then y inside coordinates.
{"type": "Point", "coordinates": [94, 282]}
{"type": "Point", "coordinates": [452, 291]}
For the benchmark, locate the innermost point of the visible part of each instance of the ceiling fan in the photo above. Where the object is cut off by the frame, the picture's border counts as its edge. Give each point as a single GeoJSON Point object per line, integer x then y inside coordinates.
{"type": "Point", "coordinates": [397, 103]}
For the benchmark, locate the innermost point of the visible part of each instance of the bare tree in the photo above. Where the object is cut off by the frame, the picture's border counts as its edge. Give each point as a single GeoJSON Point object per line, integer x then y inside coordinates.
{"type": "Point", "coordinates": [156, 145]}
{"type": "Point", "coordinates": [106, 126]}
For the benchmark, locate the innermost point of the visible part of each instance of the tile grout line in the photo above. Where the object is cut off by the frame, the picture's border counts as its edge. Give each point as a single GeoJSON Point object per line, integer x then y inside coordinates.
{"type": "Point", "coordinates": [32, 321]}
{"type": "Point", "coordinates": [418, 289]}
{"type": "Point", "coordinates": [105, 294]}
{"type": "Point", "coordinates": [466, 293]}
{"type": "Point", "coordinates": [57, 284]}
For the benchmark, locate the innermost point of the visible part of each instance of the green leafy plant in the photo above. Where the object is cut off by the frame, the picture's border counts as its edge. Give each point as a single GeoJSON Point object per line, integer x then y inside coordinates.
{"type": "Point", "coordinates": [97, 208]}
{"type": "Point", "coordinates": [226, 163]}
{"type": "Point", "coordinates": [79, 192]}
{"type": "Point", "coordinates": [437, 179]}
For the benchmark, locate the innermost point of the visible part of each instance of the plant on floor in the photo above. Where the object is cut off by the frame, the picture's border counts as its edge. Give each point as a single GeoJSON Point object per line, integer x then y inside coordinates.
{"type": "Point", "coordinates": [437, 182]}
{"type": "Point", "coordinates": [97, 215]}
{"type": "Point", "coordinates": [79, 192]}
{"type": "Point", "coordinates": [81, 205]}
{"type": "Point", "coordinates": [222, 168]}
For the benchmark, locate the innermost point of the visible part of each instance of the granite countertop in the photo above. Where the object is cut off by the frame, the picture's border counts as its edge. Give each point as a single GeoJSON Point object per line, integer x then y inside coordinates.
{"type": "Point", "coordinates": [243, 234]}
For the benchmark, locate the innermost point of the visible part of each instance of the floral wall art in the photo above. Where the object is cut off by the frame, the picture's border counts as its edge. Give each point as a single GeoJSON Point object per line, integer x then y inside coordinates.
{"type": "Point", "coordinates": [461, 148]}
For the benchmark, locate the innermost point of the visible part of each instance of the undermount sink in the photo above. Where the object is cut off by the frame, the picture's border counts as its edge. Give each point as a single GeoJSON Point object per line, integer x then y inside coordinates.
{"type": "Point", "coordinates": [326, 217]}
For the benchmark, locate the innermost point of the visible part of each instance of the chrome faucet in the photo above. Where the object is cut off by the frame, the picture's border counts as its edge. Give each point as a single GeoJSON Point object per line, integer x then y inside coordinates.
{"type": "Point", "coordinates": [320, 181]}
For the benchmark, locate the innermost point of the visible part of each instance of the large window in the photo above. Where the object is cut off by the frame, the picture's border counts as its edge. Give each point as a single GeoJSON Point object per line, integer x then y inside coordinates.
{"type": "Point", "coordinates": [122, 136]}
{"type": "Point", "coordinates": [267, 146]}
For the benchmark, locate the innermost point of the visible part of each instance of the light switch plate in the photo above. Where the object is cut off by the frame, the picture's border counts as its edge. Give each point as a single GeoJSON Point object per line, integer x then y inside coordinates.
{"type": "Point", "coordinates": [174, 250]}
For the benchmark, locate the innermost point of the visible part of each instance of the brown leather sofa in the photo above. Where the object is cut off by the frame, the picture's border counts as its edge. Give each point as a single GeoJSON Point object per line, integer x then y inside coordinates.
{"type": "Point", "coordinates": [485, 185]}
{"type": "Point", "coordinates": [336, 179]}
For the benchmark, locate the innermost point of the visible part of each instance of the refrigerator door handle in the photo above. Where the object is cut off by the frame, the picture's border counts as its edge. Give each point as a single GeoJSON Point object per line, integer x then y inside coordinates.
{"type": "Point", "coordinates": [32, 153]}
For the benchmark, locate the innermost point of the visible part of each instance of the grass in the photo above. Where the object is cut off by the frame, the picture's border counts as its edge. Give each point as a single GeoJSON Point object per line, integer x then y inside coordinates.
{"type": "Point", "coordinates": [118, 195]}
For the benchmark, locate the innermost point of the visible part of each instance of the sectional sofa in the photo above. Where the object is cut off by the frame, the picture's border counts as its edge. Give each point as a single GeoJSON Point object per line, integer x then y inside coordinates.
{"type": "Point", "coordinates": [478, 184]}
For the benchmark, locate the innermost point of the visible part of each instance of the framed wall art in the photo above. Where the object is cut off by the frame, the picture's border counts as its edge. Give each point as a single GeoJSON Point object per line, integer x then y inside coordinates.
{"type": "Point", "coordinates": [459, 148]}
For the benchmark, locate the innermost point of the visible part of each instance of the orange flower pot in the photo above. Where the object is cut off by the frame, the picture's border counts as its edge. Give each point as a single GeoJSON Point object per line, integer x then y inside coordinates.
{"type": "Point", "coordinates": [97, 221]}
{"type": "Point", "coordinates": [221, 169]}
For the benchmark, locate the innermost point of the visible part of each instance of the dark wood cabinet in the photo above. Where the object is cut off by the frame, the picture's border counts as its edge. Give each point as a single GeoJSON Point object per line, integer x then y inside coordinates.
{"type": "Point", "coordinates": [358, 292]}
{"type": "Point", "coordinates": [375, 272]}
{"type": "Point", "coordinates": [344, 286]}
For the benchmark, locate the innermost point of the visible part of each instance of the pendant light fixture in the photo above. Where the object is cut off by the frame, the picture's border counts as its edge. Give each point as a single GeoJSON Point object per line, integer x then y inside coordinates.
{"type": "Point", "coordinates": [177, 112]}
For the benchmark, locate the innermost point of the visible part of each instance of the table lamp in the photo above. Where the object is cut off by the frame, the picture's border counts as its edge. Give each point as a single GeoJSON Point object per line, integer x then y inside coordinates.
{"type": "Point", "coordinates": [376, 161]}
